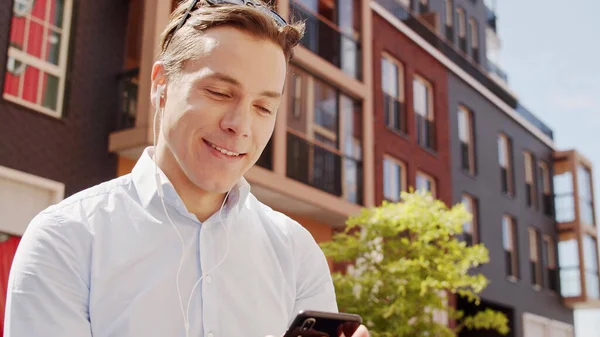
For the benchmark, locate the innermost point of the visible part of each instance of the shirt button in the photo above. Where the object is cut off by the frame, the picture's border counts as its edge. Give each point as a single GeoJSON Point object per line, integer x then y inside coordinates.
{"type": "Point", "coordinates": [208, 280]}
{"type": "Point", "coordinates": [210, 334]}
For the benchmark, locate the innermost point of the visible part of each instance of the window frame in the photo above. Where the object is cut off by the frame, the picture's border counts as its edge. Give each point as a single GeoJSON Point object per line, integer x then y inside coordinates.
{"type": "Point", "coordinates": [399, 97]}
{"type": "Point", "coordinates": [429, 178]}
{"type": "Point", "coordinates": [534, 257]}
{"type": "Point", "coordinates": [429, 114]}
{"type": "Point", "coordinates": [529, 163]}
{"type": "Point", "coordinates": [473, 28]}
{"type": "Point", "coordinates": [474, 210]}
{"type": "Point", "coordinates": [402, 179]}
{"type": "Point", "coordinates": [449, 17]}
{"type": "Point", "coordinates": [44, 67]}
{"type": "Point", "coordinates": [468, 123]}
{"type": "Point", "coordinates": [551, 263]}
{"type": "Point", "coordinates": [508, 220]}
{"type": "Point", "coordinates": [503, 139]}
{"type": "Point", "coordinates": [346, 148]}
{"type": "Point", "coordinates": [461, 17]}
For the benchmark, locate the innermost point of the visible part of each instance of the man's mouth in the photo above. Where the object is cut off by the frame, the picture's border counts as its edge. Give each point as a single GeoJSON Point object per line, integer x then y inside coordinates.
{"type": "Point", "coordinates": [223, 150]}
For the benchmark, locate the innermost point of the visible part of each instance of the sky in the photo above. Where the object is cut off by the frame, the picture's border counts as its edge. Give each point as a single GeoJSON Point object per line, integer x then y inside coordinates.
{"type": "Point", "coordinates": [551, 52]}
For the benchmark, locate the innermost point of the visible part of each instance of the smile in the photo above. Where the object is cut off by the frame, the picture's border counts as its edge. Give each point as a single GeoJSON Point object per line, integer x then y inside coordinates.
{"type": "Point", "coordinates": [222, 150]}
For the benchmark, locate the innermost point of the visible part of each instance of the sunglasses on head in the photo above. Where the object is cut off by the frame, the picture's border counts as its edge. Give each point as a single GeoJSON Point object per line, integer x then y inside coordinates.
{"type": "Point", "coordinates": [278, 19]}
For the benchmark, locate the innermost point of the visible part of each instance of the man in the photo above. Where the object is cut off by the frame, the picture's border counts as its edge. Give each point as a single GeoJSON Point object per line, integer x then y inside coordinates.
{"type": "Point", "coordinates": [180, 247]}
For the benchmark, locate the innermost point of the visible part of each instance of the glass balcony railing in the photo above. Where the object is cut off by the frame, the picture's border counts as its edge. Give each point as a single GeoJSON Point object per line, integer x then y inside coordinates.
{"type": "Point", "coordinates": [328, 41]}
{"type": "Point", "coordinates": [491, 18]}
{"type": "Point", "coordinates": [321, 167]}
{"type": "Point", "coordinates": [496, 70]}
{"type": "Point", "coordinates": [128, 88]}
{"type": "Point", "coordinates": [531, 118]}
{"type": "Point", "coordinates": [439, 43]}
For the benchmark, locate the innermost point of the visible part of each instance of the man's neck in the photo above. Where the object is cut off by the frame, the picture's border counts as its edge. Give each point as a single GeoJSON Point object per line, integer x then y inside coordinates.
{"type": "Point", "coordinates": [198, 202]}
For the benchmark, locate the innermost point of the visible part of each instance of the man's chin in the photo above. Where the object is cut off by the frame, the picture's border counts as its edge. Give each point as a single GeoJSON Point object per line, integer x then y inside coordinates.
{"type": "Point", "coordinates": [214, 183]}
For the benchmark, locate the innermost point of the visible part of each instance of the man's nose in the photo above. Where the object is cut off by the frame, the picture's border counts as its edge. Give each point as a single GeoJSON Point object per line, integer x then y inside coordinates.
{"type": "Point", "coordinates": [238, 119]}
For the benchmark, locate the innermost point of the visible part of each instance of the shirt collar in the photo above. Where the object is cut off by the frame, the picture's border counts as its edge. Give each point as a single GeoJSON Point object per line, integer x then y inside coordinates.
{"type": "Point", "coordinates": [143, 176]}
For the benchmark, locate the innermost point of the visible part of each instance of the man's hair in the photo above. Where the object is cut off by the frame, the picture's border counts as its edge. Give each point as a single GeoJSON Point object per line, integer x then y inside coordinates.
{"type": "Point", "coordinates": [182, 46]}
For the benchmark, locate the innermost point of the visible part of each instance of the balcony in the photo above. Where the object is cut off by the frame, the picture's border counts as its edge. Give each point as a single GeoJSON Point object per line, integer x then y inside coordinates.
{"type": "Point", "coordinates": [439, 43]}
{"type": "Point", "coordinates": [459, 58]}
{"type": "Point", "coordinates": [128, 88]}
{"type": "Point", "coordinates": [578, 237]}
{"type": "Point", "coordinates": [491, 18]}
{"type": "Point", "coordinates": [495, 70]}
{"type": "Point", "coordinates": [531, 118]}
{"type": "Point", "coordinates": [324, 168]}
{"type": "Point", "coordinates": [327, 40]}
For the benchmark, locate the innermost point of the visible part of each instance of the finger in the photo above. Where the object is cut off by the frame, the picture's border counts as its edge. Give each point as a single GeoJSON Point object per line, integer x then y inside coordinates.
{"type": "Point", "coordinates": [361, 332]}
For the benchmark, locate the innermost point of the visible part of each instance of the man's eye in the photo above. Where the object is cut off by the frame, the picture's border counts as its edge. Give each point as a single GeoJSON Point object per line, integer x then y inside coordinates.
{"type": "Point", "coordinates": [265, 110]}
{"type": "Point", "coordinates": [216, 93]}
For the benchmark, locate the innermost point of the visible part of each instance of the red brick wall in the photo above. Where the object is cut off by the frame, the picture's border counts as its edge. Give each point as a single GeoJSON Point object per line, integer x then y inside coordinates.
{"type": "Point", "coordinates": [416, 61]}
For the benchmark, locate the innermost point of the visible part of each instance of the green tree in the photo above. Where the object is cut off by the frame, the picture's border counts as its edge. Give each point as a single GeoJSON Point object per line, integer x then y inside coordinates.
{"type": "Point", "coordinates": [405, 258]}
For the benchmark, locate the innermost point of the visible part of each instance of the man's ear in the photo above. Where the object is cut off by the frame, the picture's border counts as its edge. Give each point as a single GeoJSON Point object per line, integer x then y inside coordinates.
{"type": "Point", "coordinates": [158, 79]}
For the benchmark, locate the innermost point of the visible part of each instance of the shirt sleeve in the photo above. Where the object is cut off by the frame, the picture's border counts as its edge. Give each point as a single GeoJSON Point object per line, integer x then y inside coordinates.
{"type": "Point", "coordinates": [48, 286]}
{"type": "Point", "coordinates": [314, 285]}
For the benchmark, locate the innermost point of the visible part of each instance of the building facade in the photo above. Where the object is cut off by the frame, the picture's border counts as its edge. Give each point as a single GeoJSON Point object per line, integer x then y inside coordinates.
{"type": "Point", "coordinates": [502, 164]}
{"type": "Point", "coordinates": [410, 93]}
{"type": "Point", "coordinates": [382, 96]}
{"type": "Point", "coordinates": [60, 61]}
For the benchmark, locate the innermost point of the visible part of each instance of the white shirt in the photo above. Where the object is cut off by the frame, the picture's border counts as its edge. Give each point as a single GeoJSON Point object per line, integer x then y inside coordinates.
{"type": "Point", "coordinates": [103, 263]}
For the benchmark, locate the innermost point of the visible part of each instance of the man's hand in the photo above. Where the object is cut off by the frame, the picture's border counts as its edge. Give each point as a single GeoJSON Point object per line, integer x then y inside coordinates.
{"type": "Point", "coordinates": [360, 332]}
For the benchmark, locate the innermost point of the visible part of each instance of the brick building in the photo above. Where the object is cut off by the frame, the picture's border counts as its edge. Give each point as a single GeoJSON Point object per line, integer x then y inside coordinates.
{"type": "Point", "coordinates": [383, 95]}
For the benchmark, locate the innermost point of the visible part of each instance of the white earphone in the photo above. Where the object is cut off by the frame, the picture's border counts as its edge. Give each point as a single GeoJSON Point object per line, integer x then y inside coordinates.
{"type": "Point", "coordinates": [157, 100]}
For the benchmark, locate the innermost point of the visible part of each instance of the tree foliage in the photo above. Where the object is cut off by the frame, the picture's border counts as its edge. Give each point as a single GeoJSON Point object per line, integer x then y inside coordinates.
{"type": "Point", "coordinates": [405, 259]}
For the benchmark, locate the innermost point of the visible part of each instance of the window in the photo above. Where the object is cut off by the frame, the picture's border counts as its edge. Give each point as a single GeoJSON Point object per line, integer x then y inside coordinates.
{"type": "Point", "coordinates": [465, 134]}
{"type": "Point", "coordinates": [37, 55]}
{"type": "Point", "coordinates": [549, 256]}
{"type": "Point", "coordinates": [505, 161]}
{"type": "Point", "coordinates": [529, 185]}
{"type": "Point", "coordinates": [544, 183]}
{"type": "Point", "coordinates": [568, 261]}
{"type": "Point", "coordinates": [392, 84]}
{"type": "Point", "coordinates": [509, 241]}
{"type": "Point", "coordinates": [449, 19]}
{"type": "Point", "coordinates": [394, 178]}
{"type": "Point", "coordinates": [449, 12]}
{"type": "Point", "coordinates": [534, 258]}
{"type": "Point", "coordinates": [462, 29]}
{"type": "Point", "coordinates": [423, 106]}
{"type": "Point", "coordinates": [586, 204]}
{"type": "Point", "coordinates": [296, 90]}
{"type": "Point", "coordinates": [470, 228]}
{"type": "Point", "coordinates": [425, 183]}
{"type": "Point", "coordinates": [540, 326]}
{"type": "Point", "coordinates": [590, 262]}
{"type": "Point", "coordinates": [324, 133]}
{"type": "Point", "coordinates": [474, 37]}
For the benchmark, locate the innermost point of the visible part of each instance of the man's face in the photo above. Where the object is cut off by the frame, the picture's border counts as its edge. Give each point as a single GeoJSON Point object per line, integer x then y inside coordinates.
{"type": "Point", "coordinates": [220, 112]}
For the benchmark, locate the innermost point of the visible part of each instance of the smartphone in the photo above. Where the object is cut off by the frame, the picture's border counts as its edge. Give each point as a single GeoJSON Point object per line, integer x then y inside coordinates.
{"type": "Point", "coordinates": [323, 324]}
